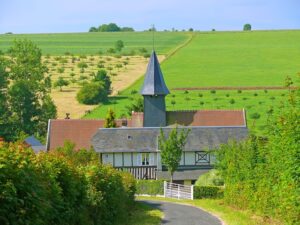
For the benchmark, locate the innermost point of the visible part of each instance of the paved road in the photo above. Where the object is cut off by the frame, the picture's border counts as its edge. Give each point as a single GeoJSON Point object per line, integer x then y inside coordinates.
{"type": "Point", "coordinates": [176, 214]}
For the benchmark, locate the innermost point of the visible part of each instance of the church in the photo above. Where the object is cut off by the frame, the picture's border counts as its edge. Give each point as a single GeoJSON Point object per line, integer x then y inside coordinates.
{"type": "Point", "coordinates": [133, 145]}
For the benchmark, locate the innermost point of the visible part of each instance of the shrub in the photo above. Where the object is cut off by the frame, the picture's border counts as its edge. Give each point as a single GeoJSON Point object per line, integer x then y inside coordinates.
{"type": "Point", "coordinates": [60, 187]}
{"type": "Point", "coordinates": [211, 178]}
{"type": "Point", "coordinates": [150, 187]}
{"type": "Point", "coordinates": [200, 95]}
{"type": "Point", "coordinates": [208, 192]}
{"type": "Point", "coordinates": [213, 91]}
{"type": "Point", "coordinates": [92, 93]}
{"type": "Point", "coordinates": [239, 91]}
{"type": "Point", "coordinates": [255, 116]}
{"type": "Point", "coordinates": [133, 92]}
{"type": "Point", "coordinates": [255, 94]}
{"type": "Point", "coordinates": [227, 95]}
{"type": "Point", "coordinates": [232, 101]}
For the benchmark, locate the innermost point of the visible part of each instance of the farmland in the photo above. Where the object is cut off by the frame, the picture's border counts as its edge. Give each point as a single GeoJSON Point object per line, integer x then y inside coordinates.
{"type": "Point", "coordinates": [257, 60]}
{"type": "Point", "coordinates": [252, 60]}
{"type": "Point", "coordinates": [93, 43]}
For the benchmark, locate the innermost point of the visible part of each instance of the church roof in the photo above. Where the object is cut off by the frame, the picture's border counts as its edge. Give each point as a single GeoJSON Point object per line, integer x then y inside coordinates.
{"type": "Point", "coordinates": [154, 83]}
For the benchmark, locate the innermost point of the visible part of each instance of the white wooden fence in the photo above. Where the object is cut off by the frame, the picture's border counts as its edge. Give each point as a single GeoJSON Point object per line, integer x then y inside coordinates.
{"type": "Point", "coordinates": [179, 191]}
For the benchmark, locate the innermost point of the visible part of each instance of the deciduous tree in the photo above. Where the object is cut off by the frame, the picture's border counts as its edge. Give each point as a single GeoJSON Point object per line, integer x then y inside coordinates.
{"type": "Point", "coordinates": [171, 148]}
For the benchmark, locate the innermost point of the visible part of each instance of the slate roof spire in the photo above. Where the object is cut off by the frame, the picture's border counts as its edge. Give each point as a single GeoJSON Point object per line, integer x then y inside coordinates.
{"type": "Point", "coordinates": [154, 83]}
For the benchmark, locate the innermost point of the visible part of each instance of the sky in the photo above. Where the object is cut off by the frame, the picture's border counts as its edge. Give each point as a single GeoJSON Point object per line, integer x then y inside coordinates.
{"type": "Point", "coordinates": [51, 16]}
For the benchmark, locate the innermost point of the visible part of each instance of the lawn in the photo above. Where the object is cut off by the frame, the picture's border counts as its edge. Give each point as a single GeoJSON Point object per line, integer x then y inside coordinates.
{"type": "Point", "coordinates": [256, 58]}
{"type": "Point", "coordinates": [143, 214]}
{"type": "Point", "coordinates": [257, 103]}
{"type": "Point", "coordinates": [92, 43]}
{"type": "Point", "coordinates": [227, 214]}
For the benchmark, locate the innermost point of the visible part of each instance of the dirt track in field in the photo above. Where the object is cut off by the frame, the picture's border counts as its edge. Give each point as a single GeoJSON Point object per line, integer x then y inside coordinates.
{"type": "Point", "coordinates": [234, 88]}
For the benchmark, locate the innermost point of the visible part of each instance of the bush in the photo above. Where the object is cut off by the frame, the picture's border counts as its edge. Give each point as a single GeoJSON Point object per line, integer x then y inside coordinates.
{"type": "Point", "coordinates": [92, 93]}
{"type": "Point", "coordinates": [61, 187]}
{"type": "Point", "coordinates": [150, 187]}
{"type": "Point", "coordinates": [213, 91]}
{"type": "Point", "coordinates": [208, 192]}
{"type": "Point", "coordinates": [211, 178]}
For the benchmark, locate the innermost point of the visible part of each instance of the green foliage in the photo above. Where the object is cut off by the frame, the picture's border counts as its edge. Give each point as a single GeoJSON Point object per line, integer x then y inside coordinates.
{"type": "Point", "coordinates": [110, 119]}
{"type": "Point", "coordinates": [171, 148]}
{"type": "Point", "coordinates": [247, 27]}
{"type": "Point", "coordinates": [136, 106]}
{"type": "Point", "coordinates": [211, 178]}
{"type": "Point", "coordinates": [150, 187]}
{"type": "Point", "coordinates": [60, 83]}
{"type": "Point", "coordinates": [82, 65]}
{"type": "Point", "coordinates": [119, 45]}
{"type": "Point", "coordinates": [103, 77]}
{"type": "Point", "coordinates": [111, 27]}
{"type": "Point", "coordinates": [208, 192]}
{"type": "Point", "coordinates": [263, 174]}
{"type": "Point", "coordinates": [61, 187]}
{"type": "Point", "coordinates": [26, 99]}
{"type": "Point", "coordinates": [92, 93]}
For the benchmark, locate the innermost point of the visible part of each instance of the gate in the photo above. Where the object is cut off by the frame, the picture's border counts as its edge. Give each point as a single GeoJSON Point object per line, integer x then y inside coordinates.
{"type": "Point", "coordinates": [179, 191]}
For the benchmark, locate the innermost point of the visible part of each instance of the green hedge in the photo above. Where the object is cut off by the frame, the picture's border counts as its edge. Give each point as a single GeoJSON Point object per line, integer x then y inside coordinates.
{"type": "Point", "coordinates": [61, 187]}
{"type": "Point", "coordinates": [208, 192]}
{"type": "Point", "coordinates": [150, 187]}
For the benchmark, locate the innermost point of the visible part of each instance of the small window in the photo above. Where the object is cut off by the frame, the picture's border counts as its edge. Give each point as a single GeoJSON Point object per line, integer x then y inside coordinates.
{"type": "Point", "coordinates": [145, 159]}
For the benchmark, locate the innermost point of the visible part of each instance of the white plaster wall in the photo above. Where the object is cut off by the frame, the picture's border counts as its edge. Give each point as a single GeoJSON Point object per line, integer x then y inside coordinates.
{"type": "Point", "coordinates": [127, 159]}
{"type": "Point", "coordinates": [189, 158]}
{"type": "Point", "coordinates": [107, 158]}
{"type": "Point", "coordinates": [118, 159]}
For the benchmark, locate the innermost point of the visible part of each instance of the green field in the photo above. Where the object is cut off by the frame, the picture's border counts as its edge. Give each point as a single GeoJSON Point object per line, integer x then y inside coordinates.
{"type": "Point", "coordinates": [92, 43]}
{"type": "Point", "coordinates": [226, 59]}
{"type": "Point", "coordinates": [257, 58]}
{"type": "Point", "coordinates": [254, 102]}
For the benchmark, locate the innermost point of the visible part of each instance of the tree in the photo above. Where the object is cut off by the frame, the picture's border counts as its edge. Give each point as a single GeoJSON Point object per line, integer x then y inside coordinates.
{"type": "Point", "coordinates": [103, 77]}
{"type": "Point", "coordinates": [136, 106]}
{"type": "Point", "coordinates": [29, 90]}
{"type": "Point", "coordinates": [111, 27]}
{"type": "Point", "coordinates": [247, 27]}
{"type": "Point", "coordinates": [127, 29]}
{"type": "Point", "coordinates": [171, 148]}
{"type": "Point", "coordinates": [110, 119]}
{"type": "Point", "coordinates": [119, 45]}
{"type": "Point", "coordinates": [92, 93]}
{"type": "Point", "coordinates": [93, 29]}
{"type": "Point", "coordinates": [60, 83]}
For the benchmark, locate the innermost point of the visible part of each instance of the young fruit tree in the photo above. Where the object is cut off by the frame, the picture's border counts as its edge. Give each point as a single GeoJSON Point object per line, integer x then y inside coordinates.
{"type": "Point", "coordinates": [171, 148]}
{"type": "Point", "coordinates": [110, 119]}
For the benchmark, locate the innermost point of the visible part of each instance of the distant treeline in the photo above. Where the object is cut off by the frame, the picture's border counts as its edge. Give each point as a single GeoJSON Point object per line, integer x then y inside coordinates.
{"type": "Point", "coordinates": [111, 27]}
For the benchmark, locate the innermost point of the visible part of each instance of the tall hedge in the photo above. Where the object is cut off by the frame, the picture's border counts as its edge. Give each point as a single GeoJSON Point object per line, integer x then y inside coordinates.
{"type": "Point", "coordinates": [61, 187]}
{"type": "Point", "coordinates": [263, 174]}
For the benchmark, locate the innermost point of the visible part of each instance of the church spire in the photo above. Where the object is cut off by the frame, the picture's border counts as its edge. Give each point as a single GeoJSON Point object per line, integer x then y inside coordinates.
{"type": "Point", "coordinates": [154, 83]}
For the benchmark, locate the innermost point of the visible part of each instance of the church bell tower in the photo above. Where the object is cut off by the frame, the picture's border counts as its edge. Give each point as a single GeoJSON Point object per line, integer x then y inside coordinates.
{"type": "Point", "coordinates": [154, 91]}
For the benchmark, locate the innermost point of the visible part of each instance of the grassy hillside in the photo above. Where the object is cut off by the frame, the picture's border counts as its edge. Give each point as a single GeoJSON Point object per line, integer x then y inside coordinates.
{"type": "Point", "coordinates": [232, 59]}
{"type": "Point", "coordinates": [92, 43]}
{"type": "Point", "coordinates": [257, 58]}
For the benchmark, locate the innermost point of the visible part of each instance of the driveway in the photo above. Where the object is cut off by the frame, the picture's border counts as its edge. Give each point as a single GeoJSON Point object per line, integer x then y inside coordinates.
{"type": "Point", "coordinates": [177, 214]}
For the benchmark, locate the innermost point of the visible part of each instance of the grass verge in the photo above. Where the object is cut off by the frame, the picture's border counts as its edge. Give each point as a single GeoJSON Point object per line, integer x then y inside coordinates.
{"type": "Point", "coordinates": [229, 215]}
{"type": "Point", "coordinates": [143, 214]}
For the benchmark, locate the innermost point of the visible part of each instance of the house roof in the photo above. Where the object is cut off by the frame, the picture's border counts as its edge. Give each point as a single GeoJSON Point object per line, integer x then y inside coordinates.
{"type": "Point", "coordinates": [80, 131]}
{"type": "Point", "coordinates": [154, 83]}
{"type": "Point", "coordinates": [146, 139]}
{"type": "Point", "coordinates": [207, 117]}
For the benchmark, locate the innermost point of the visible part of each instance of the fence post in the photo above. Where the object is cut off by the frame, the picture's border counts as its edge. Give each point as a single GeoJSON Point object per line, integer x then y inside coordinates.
{"type": "Point", "coordinates": [192, 192]}
{"type": "Point", "coordinates": [178, 192]}
{"type": "Point", "coordinates": [165, 188]}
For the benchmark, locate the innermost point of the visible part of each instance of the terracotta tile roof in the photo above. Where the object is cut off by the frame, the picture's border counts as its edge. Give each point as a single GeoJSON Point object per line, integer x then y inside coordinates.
{"type": "Point", "coordinates": [207, 118]}
{"type": "Point", "coordinates": [77, 131]}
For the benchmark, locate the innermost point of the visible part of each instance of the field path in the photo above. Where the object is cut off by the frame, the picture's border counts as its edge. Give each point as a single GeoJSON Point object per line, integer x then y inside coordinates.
{"type": "Point", "coordinates": [177, 214]}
